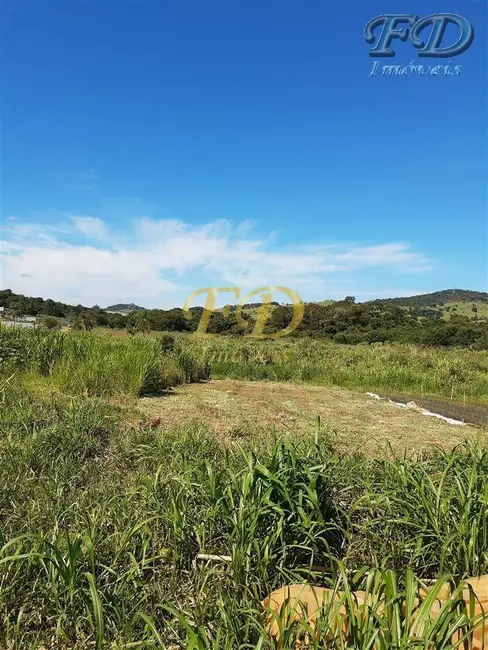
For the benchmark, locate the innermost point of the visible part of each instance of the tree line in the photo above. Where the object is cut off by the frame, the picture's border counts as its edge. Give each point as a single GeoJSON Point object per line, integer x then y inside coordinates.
{"type": "Point", "coordinates": [342, 321]}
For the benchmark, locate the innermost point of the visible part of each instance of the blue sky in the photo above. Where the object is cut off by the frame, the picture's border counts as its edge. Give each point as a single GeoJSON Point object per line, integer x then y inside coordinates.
{"type": "Point", "coordinates": [153, 148]}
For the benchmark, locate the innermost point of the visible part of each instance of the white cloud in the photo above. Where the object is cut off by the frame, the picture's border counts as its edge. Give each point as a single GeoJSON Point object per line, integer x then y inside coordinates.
{"type": "Point", "coordinates": [158, 263]}
{"type": "Point", "coordinates": [385, 293]}
{"type": "Point", "coordinates": [385, 255]}
{"type": "Point", "coordinates": [91, 227]}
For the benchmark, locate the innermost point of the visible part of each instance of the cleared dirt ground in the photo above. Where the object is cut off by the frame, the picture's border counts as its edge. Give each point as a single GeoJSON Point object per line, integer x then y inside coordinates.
{"type": "Point", "coordinates": [353, 421]}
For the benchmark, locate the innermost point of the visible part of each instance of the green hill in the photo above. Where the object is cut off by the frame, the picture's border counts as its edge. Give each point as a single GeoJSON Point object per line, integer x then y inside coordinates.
{"type": "Point", "coordinates": [124, 308]}
{"type": "Point", "coordinates": [439, 297]}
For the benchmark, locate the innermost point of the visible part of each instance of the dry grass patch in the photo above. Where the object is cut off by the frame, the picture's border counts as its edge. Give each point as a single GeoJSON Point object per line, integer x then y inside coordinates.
{"type": "Point", "coordinates": [353, 421]}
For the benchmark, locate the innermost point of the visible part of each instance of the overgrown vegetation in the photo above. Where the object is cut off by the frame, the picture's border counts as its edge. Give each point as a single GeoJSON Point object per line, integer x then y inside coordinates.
{"type": "Point", "coordinates": [102, 525]}
{"type": "Point", "coordinates": [417, 322]}
{"type": "Point", "coordinates": [455, 374]}
{"type": "Point", "coordinates": [103, 517]}
{"type": "Point", "coordinates": [98, 365]}
{"type": "Point", "coordinates": [101, 365]}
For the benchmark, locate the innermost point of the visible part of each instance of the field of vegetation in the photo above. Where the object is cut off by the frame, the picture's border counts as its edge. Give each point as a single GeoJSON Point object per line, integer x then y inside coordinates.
{"type": "Point", "coordinates": [442, 319]}
{"type": "Point", "coordinates": [471, 310]}
{"type": "Point", "coordinates": [400, 367]}
{"type": "Point", "coordinates": [107, 523]}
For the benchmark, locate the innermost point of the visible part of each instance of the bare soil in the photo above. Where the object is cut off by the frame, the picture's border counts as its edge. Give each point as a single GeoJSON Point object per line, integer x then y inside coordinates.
{"type": "Point", "coordinates": [470, 413]}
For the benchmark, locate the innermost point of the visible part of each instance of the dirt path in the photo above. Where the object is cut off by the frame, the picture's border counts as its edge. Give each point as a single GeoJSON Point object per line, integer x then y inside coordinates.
{"type": "Point", "coordinates": [234, 409]}
{"type": "Point", "coordinates": [471, 413]}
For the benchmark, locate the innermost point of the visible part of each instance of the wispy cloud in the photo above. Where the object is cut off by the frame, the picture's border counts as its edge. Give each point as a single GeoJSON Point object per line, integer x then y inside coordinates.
{"type": "Point", "coordinates": [397, 253]}
{"type": "Point", "coordinates": [157, 262]}
{"type": "Point", "coordinates": [384, 293]}
{"type": "Point", "coordinates": [92, 227]}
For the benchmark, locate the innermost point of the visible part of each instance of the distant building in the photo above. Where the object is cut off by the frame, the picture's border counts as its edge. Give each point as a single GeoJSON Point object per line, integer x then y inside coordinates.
{"type": "Point", "coordinates": [18, 323]}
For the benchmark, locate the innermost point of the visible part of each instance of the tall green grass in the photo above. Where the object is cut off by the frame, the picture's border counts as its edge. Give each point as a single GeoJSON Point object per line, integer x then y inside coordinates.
{"type": "Point", "coordinates": [102, 524]}
{"type": "Point", "coordinates": [105, 365]}
{"type": "Point", "coordinates": [453, 373]}
{"type": "Point", "coordinates": [98, 365]}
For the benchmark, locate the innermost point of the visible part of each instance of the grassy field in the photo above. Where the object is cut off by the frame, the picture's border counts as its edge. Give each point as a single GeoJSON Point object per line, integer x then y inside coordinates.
{"type": "Point", "coordinates": [352, 421]}
{"type": "Point", "coordinates": [465, 309]}
{"type": "Point", "coordinates": [457, 374]}
{"type": "Point", "coordinates": [462, 308]}
{"type": "Point", "coordinates": [104, 518]}
{"type": "Point", "coordinates": [452, 373]}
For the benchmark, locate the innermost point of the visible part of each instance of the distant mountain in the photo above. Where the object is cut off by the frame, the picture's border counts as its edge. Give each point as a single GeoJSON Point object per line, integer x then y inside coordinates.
{"type": "Point", "coordinates": [122, 308]}
{"type": "Point", "coordinates": [438, 297]}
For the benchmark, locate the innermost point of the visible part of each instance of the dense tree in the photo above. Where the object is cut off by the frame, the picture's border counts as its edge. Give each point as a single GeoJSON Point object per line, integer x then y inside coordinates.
{"type": "Point", "coordinates": [50, 323]}
{"type": "Point", "coordinates": [344, 321]}
{"type": "Point", "coordinates": [440, 297]}
{"type": "Point", "coordinates": [116, 321]}
{"type": "Point", "coordinates": [84, 321]}
{"type": "Point", "coordinates": [142, 322]}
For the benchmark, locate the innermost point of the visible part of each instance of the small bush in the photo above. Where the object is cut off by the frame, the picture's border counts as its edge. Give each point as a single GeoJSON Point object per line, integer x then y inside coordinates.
{"type": "Point", "coordinates": [167, 343]}
{"type": "Point", "coordinates": [160, 375]}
